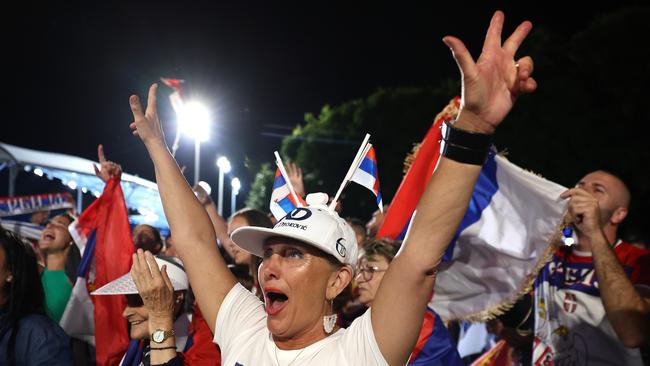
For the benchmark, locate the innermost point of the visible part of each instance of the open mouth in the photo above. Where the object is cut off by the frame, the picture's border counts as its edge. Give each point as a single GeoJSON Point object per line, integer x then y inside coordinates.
{"type": "Point", "coordinates": [47, 238]}
{"type": "Point", "coordinates": [136, 322]}
{"type": "Point", "coordinates": [275, 301]}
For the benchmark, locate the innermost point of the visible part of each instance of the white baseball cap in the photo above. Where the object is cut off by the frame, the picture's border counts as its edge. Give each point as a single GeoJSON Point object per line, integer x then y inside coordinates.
{"type": "Point", "coordinates": [125, 285]}
{"type": "Point", "coordinates": [315, 225]}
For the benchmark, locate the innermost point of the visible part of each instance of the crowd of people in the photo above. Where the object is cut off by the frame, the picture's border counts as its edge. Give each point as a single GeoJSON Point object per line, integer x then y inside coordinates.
{"type": "Point", "coordinates": [314, 288]}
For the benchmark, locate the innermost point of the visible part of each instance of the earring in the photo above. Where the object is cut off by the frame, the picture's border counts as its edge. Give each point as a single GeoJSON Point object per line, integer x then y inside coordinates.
{"type": "Point", "coordinates": [329, 321]}
{"type": "Point", "coordinates": [10, 278]}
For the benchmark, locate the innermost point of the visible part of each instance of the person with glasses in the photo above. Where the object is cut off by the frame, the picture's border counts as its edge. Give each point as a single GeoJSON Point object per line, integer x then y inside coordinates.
{"type": "Point", "coordinates": [434, 345]}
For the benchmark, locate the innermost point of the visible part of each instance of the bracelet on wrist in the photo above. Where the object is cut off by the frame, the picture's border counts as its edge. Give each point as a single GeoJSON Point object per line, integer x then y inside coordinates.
{"type": "Point", "coordinates": [466, 139]}
{"type": "Point", "coordinates": [161, 348]}
{"type": "Point", "coordinates": [464, 146]}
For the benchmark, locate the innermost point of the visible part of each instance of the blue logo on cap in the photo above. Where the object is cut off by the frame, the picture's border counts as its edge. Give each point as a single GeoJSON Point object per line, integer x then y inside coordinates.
{"type": "Point", "coordinates": [299, 214]}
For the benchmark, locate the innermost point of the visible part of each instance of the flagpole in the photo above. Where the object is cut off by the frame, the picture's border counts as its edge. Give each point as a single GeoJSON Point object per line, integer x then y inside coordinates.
{"type": "Point", "coordinates": [176, 141]}
{"type": "Point", "coordinates": [353, 167]}
{"type": "Point", "coordinates": [278, 162]}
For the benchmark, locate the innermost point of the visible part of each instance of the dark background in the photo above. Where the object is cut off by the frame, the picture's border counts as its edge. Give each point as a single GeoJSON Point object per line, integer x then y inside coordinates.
{"type": "Point", "coordinates": [69, 67]}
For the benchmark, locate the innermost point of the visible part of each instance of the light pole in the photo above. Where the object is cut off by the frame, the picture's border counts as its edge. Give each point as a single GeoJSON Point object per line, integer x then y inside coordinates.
{"type": "Point", "coordinates": [235, 184]}
{"type": "Point", "coordinates": [194, 120]}
{"type": "Point", "coordinates": [224, 168]}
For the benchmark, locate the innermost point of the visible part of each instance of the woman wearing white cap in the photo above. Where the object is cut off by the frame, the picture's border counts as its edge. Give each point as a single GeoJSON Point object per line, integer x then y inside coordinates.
{"type": "Point", "coordinates": [307, 256]}
{"type": "Point", "coordinates": [159, 314]}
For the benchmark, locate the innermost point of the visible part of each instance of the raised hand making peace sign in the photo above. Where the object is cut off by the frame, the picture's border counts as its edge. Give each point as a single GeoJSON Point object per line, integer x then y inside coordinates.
{"type": "Point", "coordinates": [492, 84]}
{"type": "Point", "coordinates": [146, 124]}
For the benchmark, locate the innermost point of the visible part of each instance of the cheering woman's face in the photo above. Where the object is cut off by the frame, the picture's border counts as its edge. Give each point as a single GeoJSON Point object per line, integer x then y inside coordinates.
{"type": "Point", "coordinates": [55, 236]}
{"type": "Point", "coordinates": [298, 282]}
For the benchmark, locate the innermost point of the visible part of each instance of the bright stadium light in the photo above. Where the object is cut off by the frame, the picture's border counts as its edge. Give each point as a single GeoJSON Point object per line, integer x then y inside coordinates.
{"type": "Point", "coordinates": [194, 121]}
{"type": "Point", "coordinates": [235, 184]}
{"type": "Point", "coordinates": [224, 164]}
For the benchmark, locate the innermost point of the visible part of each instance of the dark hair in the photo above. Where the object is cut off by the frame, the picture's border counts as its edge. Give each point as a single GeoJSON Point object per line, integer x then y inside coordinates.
{"type": "Point", "coordinates": [253, 217]}
{"type": "Point", "coordinates": [156, 233]}
{"type": "Point", "coordinates": [24, 294]}
{"type": "Point", "coordinates": [356, 222]}
{"type": "Point", "coordinates": [68, 216]}
{"type": "Point", "coordinates": [383, 247]}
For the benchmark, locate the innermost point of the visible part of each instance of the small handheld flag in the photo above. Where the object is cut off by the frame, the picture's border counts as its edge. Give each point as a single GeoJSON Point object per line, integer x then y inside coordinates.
{"type": "Point", "coordinates": [367, 174]}
{"type": "Point", "coordinates": [355, 164]}
{"type": "Point", "coordinates": [283, 197]}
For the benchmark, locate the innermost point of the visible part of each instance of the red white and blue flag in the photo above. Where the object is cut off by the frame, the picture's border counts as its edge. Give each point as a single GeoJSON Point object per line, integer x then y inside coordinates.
{"type": "Point", "coordinates": [367, 175]}
{"type": "Point", "coordinates": [18, 205]}
{"type": "Point", "coordinates": [103, 236]}
{"type": "Point", "coordinates": [282, 199]}
{"type": "Point", "coordinates": [511, 221]}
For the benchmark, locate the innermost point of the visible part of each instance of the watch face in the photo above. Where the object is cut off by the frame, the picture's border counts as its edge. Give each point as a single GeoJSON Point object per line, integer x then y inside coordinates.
{"type": "Point", "coordinates": [158, 336]}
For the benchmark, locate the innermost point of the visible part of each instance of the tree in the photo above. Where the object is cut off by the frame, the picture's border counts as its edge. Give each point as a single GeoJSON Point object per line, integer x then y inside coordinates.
{"type": "Point", "coordinates": [326, 144]}
{"type": "Point", "coordinates": [259, 195]}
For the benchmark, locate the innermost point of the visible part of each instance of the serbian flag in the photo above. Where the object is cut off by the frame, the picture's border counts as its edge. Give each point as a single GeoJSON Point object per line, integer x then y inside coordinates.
{"type": "Point", "coordinates": [512, 223]}
{"type": "Point", "coordinates": [367, 175]}
{"type": "Point", "coordinates": [282, 199]}
{"type": "Point", "coordinates": [103, 236]}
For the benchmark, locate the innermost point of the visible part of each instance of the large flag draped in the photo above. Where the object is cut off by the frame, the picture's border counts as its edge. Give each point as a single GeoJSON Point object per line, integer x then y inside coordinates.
{"type": "Point", "coordinates": [102, 234]}
{"type": "Point", "coordinates": [510, 228]}
{"type": "Point", "coordinates": [511, 224]}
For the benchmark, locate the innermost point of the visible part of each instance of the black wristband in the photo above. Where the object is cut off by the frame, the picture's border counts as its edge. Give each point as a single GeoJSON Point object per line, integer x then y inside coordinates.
{"type": "Point", "coordinates": [161, 348]}
{"type": "Point", "coordinates": [462, 154]}
{"type": "Point", "coordinates": [465, 139]}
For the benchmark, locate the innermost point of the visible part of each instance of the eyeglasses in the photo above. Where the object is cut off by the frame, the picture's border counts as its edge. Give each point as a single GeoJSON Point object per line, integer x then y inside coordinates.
{"type": "Point", "coordinates": [368, 271]}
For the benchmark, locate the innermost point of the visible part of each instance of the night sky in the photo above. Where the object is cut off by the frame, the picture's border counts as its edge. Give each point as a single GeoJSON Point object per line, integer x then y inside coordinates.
{"type": "Point", "coordinates": [69, 69]}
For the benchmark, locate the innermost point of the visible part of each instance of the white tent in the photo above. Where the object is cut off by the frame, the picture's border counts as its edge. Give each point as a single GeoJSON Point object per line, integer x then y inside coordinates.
{"type": "Point", "coordinates": [78, 173]}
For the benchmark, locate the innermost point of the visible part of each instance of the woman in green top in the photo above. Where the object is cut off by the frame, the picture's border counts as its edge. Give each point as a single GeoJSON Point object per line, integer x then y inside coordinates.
{"type": "Point", "coordinates": [55, 244]}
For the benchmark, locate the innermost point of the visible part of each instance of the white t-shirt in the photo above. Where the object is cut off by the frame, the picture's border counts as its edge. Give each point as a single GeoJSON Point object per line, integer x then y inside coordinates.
{"type": "Point", "coordinates": [244, 339]}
